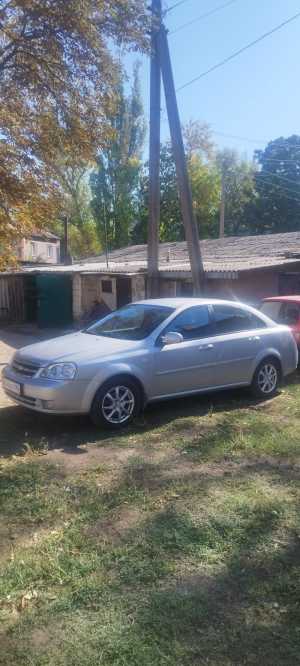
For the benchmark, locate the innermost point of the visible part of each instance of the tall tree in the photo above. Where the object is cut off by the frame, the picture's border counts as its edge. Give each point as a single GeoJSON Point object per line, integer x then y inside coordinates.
{"type": "Point", "coordinates": [278, 185]}
{"type": "Point", "coordinates": [57, 89]}
{"type": "Point", "coordinates": [240, 192]}
{"type": "Point", "coordinates": [115, 182]}
{"type": "Point", "coordinates": [76, 206]}
{"type": "Point", "coordinates": [205, 184]}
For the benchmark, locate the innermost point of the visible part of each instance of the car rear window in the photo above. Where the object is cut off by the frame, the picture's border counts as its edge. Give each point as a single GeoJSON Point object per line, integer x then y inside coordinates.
{"type": "Point", "coordinates": [229, 319]}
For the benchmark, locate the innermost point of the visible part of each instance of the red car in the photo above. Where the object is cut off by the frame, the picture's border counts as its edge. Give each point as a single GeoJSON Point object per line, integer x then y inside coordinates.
{"type": "Point", "coordinates": [284, 310]}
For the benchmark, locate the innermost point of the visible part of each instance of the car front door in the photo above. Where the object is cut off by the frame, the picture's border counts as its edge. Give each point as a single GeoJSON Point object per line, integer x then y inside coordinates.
{"type": "Point", "coordinates": [187, 365]}
{"type": "Point", "coordinates": [241, 336]}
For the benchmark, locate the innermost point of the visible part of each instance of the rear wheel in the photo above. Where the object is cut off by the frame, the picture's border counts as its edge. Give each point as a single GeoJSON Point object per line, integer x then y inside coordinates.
{"type": "Point", "coordinates": [266, 378]}
{"type": "Point", "coordinates": [116, 403]}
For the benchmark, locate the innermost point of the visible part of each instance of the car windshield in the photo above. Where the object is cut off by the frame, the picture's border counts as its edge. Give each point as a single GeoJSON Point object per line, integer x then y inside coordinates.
{"type": "Point", "coordinates": [133, 322]}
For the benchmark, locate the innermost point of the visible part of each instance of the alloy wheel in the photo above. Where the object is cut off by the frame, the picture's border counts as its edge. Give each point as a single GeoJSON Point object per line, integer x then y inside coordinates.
{"type": "Point", "coordinates": [118, 404]}
{"type": "Point", "coordinates": [267, 378]}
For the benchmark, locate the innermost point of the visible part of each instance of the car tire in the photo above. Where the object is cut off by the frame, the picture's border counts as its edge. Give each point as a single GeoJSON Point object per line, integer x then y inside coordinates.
{"type": "Point", "coordinates": [116, 403]}
{"type": "Point", "coordinates": [267, 378]}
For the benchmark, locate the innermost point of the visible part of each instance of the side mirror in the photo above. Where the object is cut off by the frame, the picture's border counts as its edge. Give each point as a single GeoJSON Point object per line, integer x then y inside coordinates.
{"type": "Point", "coordinates": [171, 338]}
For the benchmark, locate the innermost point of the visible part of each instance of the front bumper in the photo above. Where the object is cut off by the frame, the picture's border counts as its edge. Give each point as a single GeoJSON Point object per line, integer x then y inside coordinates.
{"type": "Point", "coordinates": [45, 395]}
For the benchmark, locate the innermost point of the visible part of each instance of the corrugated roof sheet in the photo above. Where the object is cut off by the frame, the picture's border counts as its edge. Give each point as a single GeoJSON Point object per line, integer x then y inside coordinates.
{"type": "Point", "coordinates": [233, 254]}
{"type": "Point", "coordinates": [228, 255]}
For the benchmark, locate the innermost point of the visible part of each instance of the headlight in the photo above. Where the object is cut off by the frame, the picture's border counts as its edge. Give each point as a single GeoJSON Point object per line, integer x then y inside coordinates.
{"type": "Point", "coordinates": [59, 371]}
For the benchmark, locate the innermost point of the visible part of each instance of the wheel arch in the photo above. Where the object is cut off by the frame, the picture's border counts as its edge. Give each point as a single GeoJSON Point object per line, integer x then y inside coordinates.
{"type": "Point", "coordinates": [269, 356]}
{"type": "Point", "coordinates": [121, 376]}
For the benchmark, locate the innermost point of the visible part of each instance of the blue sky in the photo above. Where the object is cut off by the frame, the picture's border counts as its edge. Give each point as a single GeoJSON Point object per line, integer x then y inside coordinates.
{"type": "Point", "coordinates": [257, 95]}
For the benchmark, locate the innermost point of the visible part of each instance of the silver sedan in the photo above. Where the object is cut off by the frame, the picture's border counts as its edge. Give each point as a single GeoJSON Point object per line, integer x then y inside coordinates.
{"type": "Point", "coordinates": [148, 351]}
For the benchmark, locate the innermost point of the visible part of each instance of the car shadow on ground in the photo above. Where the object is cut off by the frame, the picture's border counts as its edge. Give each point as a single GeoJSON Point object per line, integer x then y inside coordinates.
{"type": "Point", "coordinates": [22, 429]}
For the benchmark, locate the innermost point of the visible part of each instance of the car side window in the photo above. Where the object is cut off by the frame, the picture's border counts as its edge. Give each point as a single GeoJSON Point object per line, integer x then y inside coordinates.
{"type": "Point", "coordinates": [233, 320]}
{"type": "Point", "coordinates": [193, 323]}
{"type": "Point", "coordinates": [289, 314]}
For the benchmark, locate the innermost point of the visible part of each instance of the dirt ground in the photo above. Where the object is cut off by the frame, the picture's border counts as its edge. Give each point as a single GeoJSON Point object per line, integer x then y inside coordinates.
{"type": "Point", "coordinates": [9, 342]}
{"type": "Point", "coordinates": [71, 439]}
{"type": "Point", "coordinates": [16, 337]}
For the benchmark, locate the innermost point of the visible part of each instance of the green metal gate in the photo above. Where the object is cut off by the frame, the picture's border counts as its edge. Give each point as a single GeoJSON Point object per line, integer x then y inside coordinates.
{"type": "Point", "coordinates": [54, 300]}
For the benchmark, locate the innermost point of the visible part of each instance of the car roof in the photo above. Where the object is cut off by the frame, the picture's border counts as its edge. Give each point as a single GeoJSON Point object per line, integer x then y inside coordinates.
{"type": "Point", "coordinates": [291, 299]}
{"type": "Point", "coordinates": [188, 302]}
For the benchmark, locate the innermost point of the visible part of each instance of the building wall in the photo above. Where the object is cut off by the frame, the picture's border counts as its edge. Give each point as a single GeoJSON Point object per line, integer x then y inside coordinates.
{"type": "Point", "coordinates": [89, 288]}
{"type": "Point", "coordinates": [168, 288]}
{"type": "Point", "coordinates": [38, 251]}
{"type": "Point", "coordinates": [77, 300]}
{"type": "Point", "coordinates": [138, 286]}
{"type": "Point", "coordinates": [250, 287]}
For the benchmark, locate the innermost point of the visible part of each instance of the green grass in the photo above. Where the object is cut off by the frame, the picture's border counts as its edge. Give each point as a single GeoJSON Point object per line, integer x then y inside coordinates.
{"type": "Point", "coordinates": [179, 546]}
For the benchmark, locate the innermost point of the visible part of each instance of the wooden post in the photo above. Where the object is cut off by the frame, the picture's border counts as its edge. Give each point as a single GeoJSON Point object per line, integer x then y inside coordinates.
{"type": "Point", "coordinates": [154, 158]}
{"type": "Point", "coordinates": [222, 209]}
{"type": "Point", "coordinates": [190, 226]}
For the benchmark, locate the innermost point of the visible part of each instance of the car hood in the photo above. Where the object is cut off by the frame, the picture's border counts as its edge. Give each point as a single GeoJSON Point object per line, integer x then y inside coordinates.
{"type": "Point", "coordinates": [76, 347]}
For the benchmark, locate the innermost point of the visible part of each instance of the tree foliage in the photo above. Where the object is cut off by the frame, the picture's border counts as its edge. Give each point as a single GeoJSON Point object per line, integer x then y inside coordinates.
{"type": "Point", "coordinates": [57, 89]}
{"type": "Point", "coordinates": [278, 186]}
{"type": "Point", "coordinates": [83, 233]}
{"type": "Point", "coordinates": [205, 184]}
{"type": "Point", "coordinates": [114, 184]}
{"type": "Point", "coordinates": [240, 191]}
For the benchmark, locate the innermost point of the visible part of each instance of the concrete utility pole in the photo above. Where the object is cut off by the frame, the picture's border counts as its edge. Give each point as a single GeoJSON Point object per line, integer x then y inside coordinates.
{"type": "Point", "coordinates": [154, 158]}
{"type": "Point", "coordinates": [190, 226]}
{"type": "Point", "coordinates": [222, 208]}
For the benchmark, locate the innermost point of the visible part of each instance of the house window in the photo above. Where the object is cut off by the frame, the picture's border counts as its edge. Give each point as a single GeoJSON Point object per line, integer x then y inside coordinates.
{"type": "Point", "coordinates": [106, 286]}
{"type": "Point", "coordinates": [49, 251]}
{"type": "Point", "coordinates": [33, 249]}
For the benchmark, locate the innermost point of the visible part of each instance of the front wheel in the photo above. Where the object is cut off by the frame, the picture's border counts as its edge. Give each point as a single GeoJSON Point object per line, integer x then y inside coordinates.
{"type": "Point", "coordinates": [266, 379]}
{"type": "Point", "coordinates": [116, 403]}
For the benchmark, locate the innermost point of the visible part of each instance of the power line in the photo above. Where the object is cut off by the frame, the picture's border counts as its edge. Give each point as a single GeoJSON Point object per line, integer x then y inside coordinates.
{"type": "Point", "coordinates": [282, 194]}
{"type": "Point", "coordinates": [280, 187]}
{"type": "Point", "coordinates": [283, 143]}
{"type": "Point", "coordinates": [276, 175]}
{"type": "Point", "coordinates": [269, 180]}
{"type": "Point", "coordinates": [239, 138]}
{"type": "Point", "coordinates": [203, 16]}
{"type": "Point", "coordinates": [177, 4]}
{"type": "Point", "coordinates": [259, 187]}
{"type": "Point", "coordinates": [237, 53]}
{"type": "Point", "coordinates": [295, 160]}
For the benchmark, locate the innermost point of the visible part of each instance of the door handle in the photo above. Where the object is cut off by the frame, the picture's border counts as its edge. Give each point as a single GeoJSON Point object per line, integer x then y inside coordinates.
{"type": "Point", "coordinates": [206, 347]}
{"type": "Point", "coordinates": [254, 338]}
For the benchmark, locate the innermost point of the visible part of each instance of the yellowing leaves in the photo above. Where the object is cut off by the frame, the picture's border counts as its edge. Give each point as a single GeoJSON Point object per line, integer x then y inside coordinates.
{"type": "Point", "coordinates": [57, 88]}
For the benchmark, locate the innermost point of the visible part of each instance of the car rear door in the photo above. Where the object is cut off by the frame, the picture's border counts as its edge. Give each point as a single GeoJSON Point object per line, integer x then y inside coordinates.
{"type": "Point", "coordinates": [187, 365]}
{"type": "Point", "coordinates": [241, 337]}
